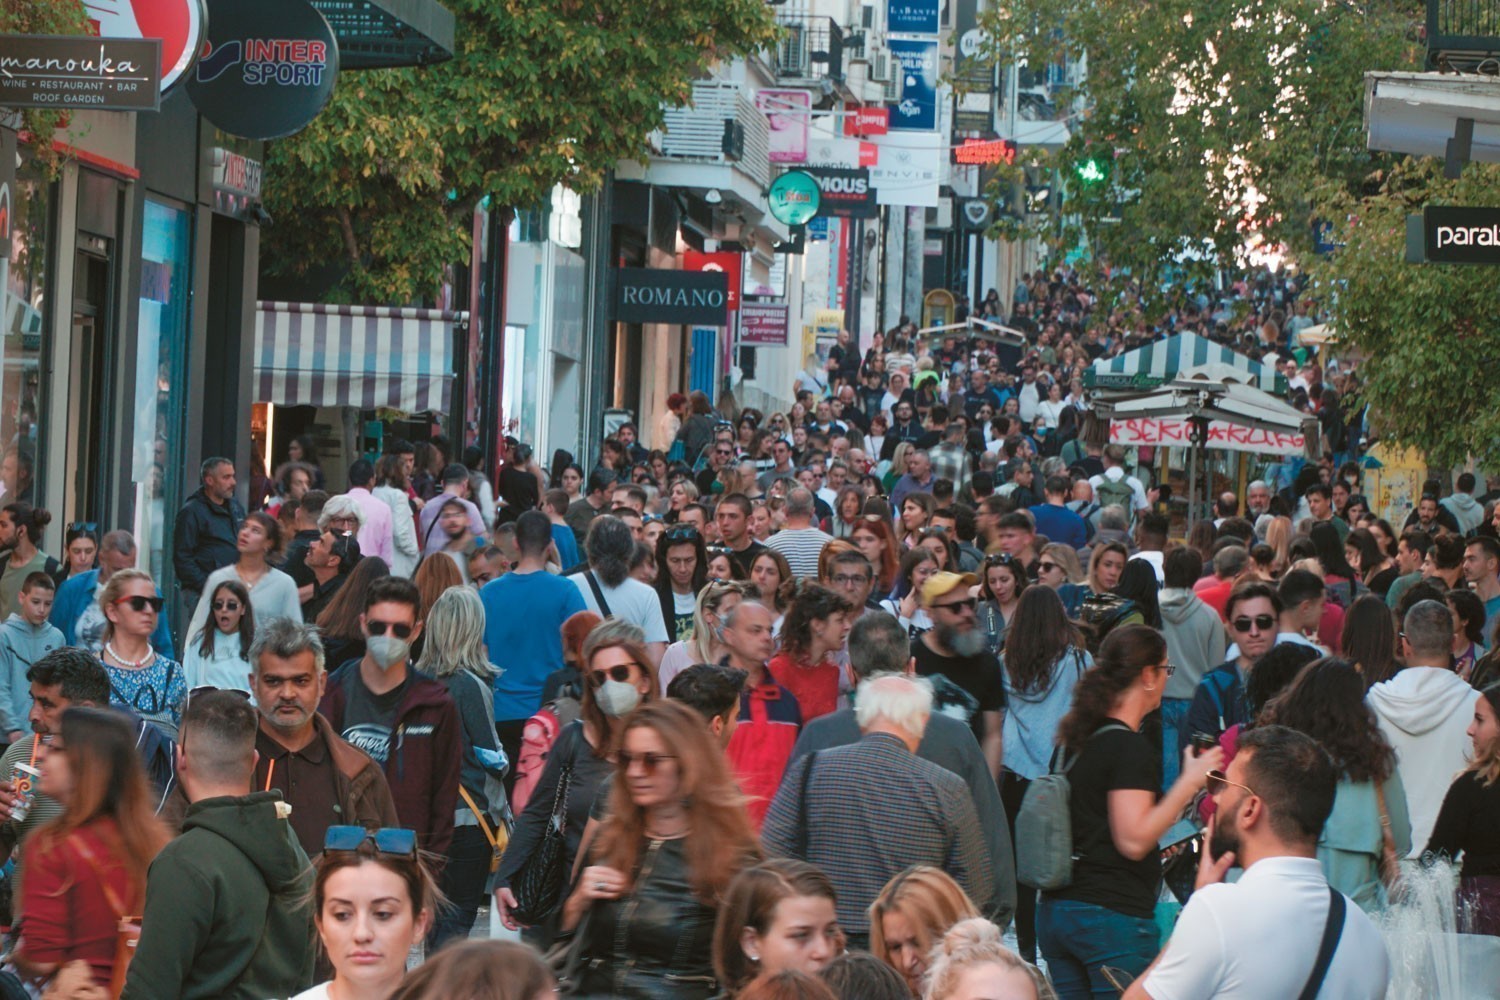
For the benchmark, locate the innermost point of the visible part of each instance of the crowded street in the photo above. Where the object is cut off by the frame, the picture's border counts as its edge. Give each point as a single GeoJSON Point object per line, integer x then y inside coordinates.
{"type": "Point", "coordinates": [744, 500]}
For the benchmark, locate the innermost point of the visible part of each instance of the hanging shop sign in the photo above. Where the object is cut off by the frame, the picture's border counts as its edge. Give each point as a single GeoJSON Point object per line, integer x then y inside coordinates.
{"type": "Point", "coordinates": [1174, 431]}
{"type": "Point", "coordinates": [180, 24]}
{"type": "Point", "coordinates": [788, 113]}
{"type": "Point", "coordinates": [688, 298]}
{"type": "Point", "coordinates": [723, 262]}
{"type": "Point", "coordinates": [982, 152]}
{"type": "Point", "coordinates": [100, 74]}
{"type": "Point", "coordinates": [268, 69]}
{"type": "Point", "coordinates": [794, 198]}
{"type": "Point", "coordinates": [917, 108]}
{"type": "Point", "coordinates": [764, 324]}
{"type": "Point", "coordinates": [917, 17]}
{"type": "Point", "coordinates": [868, 121]}
{"type": "Point", "coordinates": [908, 176]}
{"type": "Point", "coordinates": [1457, 235]}
{"type": "Point", "coordinates": [847, 193]}
{"type": "Point", "coordinates": [976, 213]}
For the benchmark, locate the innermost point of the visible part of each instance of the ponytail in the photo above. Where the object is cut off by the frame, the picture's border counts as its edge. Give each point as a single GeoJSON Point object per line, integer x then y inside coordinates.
{"type": "Point", "coordinates": [1125, 652]}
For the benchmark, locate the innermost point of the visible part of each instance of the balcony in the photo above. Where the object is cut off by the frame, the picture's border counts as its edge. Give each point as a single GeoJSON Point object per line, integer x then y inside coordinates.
{"type": "Point", "coordinates": [811, 48]}
{"type": "Point", "coordinates": [1464, 36]}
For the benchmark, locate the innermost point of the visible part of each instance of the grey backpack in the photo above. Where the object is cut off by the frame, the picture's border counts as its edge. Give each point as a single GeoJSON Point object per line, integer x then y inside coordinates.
{"type": "Point", "coordinates": [1044, 827]}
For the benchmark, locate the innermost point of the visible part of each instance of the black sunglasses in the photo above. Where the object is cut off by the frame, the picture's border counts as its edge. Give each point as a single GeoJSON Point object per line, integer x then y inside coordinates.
{"type": "Point", "coordinates": [400, 631]}
{"type": "Point", "coordinates": [619, 672]}
{"type": "Point", "coordinates": [387, 840]}
{"type": "Point", "coordinates": [1262, 622]}
{"type": "Point", "coordinates": [956, 606]}
{"type": "Point", "coordinates": [139, 603]}
{"type": "Point", "coordinates": [226, 605]}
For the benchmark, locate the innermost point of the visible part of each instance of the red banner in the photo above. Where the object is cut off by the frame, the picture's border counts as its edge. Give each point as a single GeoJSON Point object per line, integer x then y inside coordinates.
{"type": "Point", "coordinates": [728, 263]}
{"type": "Point", "coordinates": [868, 121]}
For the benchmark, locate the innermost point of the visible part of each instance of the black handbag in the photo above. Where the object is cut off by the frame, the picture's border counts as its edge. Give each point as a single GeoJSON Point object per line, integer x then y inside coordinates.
{"type": "Point", "coordinates": [539, 883]}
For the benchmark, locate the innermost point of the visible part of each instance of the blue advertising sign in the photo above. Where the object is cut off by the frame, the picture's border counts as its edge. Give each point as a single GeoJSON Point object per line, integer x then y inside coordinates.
{"type": "Point", "coordinates": [915, 17]}
{"type": "Point", "coordinates": [917, 110]}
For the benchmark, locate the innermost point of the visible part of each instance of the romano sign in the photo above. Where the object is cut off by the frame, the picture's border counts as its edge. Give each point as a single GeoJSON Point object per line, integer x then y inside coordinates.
{"type": "Point", "coordinates": [1455, 235]}
{"type": "Point", "coordinates": [646, 295]}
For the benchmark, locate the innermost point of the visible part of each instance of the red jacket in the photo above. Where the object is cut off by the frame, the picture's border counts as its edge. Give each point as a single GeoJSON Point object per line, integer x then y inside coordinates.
{"type": "Point", "coordinates": [426, 752]}
{"type": "Point", "coordinates": [762, 743]}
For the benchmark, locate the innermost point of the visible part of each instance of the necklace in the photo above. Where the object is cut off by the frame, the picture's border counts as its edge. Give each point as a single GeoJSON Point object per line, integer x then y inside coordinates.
{"type": "Point", "coordinates": [109, 648]}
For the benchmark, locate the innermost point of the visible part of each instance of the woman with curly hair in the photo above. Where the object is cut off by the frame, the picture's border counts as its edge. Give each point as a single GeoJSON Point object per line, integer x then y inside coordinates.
{"type": "Point", "coordinates": [1327, 702]}
{"type": "Point", "coordinates": [813, 632]}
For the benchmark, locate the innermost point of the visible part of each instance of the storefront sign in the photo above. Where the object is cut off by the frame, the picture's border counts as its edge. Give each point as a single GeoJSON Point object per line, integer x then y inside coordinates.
{"type": "Point", "coordinates": [100, 74]}
{"type": "Point", "coordinates": [868, 121]}
{"type": "Point", "coordinates": [846, 192]}
{"type": "Point", "coordinates": [917, 17]}
{"type": "Point", "coordinates": [788, 113]}
{"type": "Point", "coordinates": [916, 111]}
{"type": "Point", "coordinates": [728, 264]}
{"type": "Point", "coordinates": [976, 213]}
{"type": "Point", "coordinates": [236, 183]}
{"type": "Point", "coordinates": [1173, 432]}
{"type": "Point", "coordinates": [180, 24]}
{"type": "Point", "coordinates": [677, 297]}
{"type": "Point", "coordinates": [794, 198]}
{"type": "Point", "coordinates": [984, 151]}
{"type": "Point", "coordinates": [763, 324]}
{"type": "Point", "coordinates": [269, 68]}
{"type": "Point", "coordinates": [1456, 235]}
{"type": "Point", "coordinates": [907, 176]}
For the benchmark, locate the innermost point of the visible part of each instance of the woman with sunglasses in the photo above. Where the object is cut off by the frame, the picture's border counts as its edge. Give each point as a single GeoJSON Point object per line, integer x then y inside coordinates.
{"type": "Point", "coordinates": [86, 869]}
{"type": "Point", "coordinates": [218, 655]}
{"type": "Point", "coordinates": [1106, 916]}
{"type": "Point", "coordinates": [273, 594]}
{"type": "Point", "coordinates": [80, 550]}
{"type": "Point", "coordinates": [873, 536]}
{"type": "Point", "coordinates": [675, 835]}
{"type": "Point", "coordinates": [373, 901]}
{"type": "Point", "coordinates": [812, 634]}
{"type": "Point", "coordinates": [704, 644]}
{"type": "Point", "coordinates": [905, 600]}
{"type": "Point", "coordinates": [999, 595]}
{"type": "Point", "coordinates": [682, 571]}
{"type": "Point", "coordinates": [140, 678]}
{"type": "Point", "coordinates": [617, 678]}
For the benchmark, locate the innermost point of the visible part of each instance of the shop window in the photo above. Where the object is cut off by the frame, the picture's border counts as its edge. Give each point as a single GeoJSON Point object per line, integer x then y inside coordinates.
{"type": "Point", "coordinates": [161, 361]}
{"type": "Point", "coordinates": [23, 277]}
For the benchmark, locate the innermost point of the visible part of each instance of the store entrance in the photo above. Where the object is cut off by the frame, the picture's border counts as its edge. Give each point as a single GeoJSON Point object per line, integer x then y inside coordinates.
{"type": "Point", "coordinates": [89, 385]}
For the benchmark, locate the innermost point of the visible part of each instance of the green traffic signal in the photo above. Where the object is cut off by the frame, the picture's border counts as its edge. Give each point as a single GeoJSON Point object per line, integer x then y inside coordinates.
{"type": "Point", "coordinates": [1092, 171]}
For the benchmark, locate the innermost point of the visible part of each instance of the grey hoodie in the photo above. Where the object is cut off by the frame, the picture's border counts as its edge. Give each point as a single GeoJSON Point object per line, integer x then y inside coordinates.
{"type": "Point", "coordinates": [21, 645]}
{"type": "Point", "coordinates": [1195, 640]}
{"type": "Point", "coordinates": [1468, 512]}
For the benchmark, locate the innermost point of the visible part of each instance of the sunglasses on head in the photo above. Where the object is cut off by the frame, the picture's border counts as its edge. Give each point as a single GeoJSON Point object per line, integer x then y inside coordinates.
{"type": "Point", "coordinates": [83, 528]}
{"type": "Point", "coordinates": [139, 603]}
{"type": "Point", "coordinates": [1217, 781]}
{"type": "Point", "coordinates": [226, 605]}
{"type": "Point", "coordinates": [682, 533]}
{"type": "Point", "coordinates": [1262, 623]}
{"type": "Point", "coordinates": [387, 840]}
{"type": "Point", "coordinates": [619, 672]}
{"type": "Point", "coordinates": [650, 761]}
{"type": "Point", "coordinates": [400, 630]}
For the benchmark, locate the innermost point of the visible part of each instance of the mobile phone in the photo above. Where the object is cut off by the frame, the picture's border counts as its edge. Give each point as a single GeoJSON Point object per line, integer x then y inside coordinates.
{"type": "Point", "coordinates": [1180, 832]}
{"type": "Point", "coordinates": [1202, 741]}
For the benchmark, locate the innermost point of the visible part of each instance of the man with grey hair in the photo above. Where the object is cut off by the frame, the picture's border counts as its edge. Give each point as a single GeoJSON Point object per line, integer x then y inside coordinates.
{"type": "Point", "coordinates": [1424, 712]}
{"type": "Point", "coordinates": [327, 780]}
{"type": "Point", "coordinates": [608, 589]}
{"type": "Point", "coordinates": [1113, 526]}
{"type": "Point", "coordinates": [75, 609]}
{"type": "Point", "coordinates": [824, 813]}
{"type": "Point", "coordinates": [878, 644]}
{"type": "Point", "coordinates": [769, 717]}
{"type": "Point", "coordinates": [1257, 499]}
{"type": "Point", "coordinates": [800, 540]}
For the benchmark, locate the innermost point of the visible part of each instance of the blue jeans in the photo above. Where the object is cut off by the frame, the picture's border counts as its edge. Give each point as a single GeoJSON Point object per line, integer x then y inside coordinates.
{"type": "Point", "coordinates": [1078, 939]}
{"type": "Point", "coordinates": [1173, 718]}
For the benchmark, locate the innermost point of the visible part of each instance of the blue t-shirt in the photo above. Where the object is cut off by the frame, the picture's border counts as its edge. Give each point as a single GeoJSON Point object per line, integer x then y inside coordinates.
{"type": "Point", "coordinates": [567, 545]}
{"type": "Point", "coordinates": [1060, 524]}
{"type": "Point", "coordinates": [523, 617]}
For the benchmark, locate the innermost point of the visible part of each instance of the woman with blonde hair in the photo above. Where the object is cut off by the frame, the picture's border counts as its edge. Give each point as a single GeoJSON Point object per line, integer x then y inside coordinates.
{"type": "Point", "coordinates": [141, 679]}
{"type": "Point", "coordinates": [674, 836]}
{"type": "Point", "coordinates": [1279, 536]}
{"type": "Point", "coordinates": [972, 962]}
{"type": "Point", "coordinates": [715, 601]}
{"type": "Point", "coordinates": [911, 914]}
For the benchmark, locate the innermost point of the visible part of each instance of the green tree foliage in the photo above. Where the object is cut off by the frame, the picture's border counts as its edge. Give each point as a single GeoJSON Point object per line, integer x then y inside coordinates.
{"type": "Point", "coordinates": [383, 182]}
{"type": "Point", "coordinates": [43, 17]}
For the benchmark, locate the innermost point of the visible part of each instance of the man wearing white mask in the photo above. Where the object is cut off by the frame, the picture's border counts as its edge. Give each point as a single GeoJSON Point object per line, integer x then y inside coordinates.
{"type": "Point", "coordinates": [405, 720]}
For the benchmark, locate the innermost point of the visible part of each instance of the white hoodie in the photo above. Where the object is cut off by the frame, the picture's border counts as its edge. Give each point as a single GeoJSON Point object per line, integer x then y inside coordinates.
{"type": "Point", "coordinates": [1425, 714]}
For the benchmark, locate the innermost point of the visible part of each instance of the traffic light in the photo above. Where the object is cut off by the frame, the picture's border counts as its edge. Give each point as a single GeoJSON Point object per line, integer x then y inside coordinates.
{"type": "Point", "coordinates": [1093, 169]}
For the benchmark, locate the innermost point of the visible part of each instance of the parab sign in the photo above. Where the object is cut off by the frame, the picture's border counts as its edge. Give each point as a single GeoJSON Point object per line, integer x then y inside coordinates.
{"type": "Point", "coordinates": [689, 298]}
{"type": "Point", "coordinates": [1454, 235]}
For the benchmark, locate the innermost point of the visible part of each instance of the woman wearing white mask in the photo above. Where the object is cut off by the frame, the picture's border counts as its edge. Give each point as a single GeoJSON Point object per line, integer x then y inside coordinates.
{"type": "Point", "coordinates": [618, 677]}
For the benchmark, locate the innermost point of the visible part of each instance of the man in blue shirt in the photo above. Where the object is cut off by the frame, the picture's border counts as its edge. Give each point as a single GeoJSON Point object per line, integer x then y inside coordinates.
{"type": "Point", "coordinates": [1054, 519]}
{"type": "Point", "coordinates": [523, 615]}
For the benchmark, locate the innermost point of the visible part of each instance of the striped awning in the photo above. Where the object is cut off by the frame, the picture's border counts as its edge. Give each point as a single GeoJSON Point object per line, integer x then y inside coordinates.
{"type": "Point", "coordinates": [309, 354]}
{"type": "Point", "coordinates": [1152, 364]}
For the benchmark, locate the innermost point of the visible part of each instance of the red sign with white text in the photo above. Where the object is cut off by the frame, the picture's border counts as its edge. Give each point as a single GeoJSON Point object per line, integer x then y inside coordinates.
{"type": "Point", "coordinates": [868, 121]}
{"type": "Point", "coordinates": [985, 151]}
{"type": "Point", "coordinates": [1231, 437]}
{"type": "Point", "coordinates": [728, 263]}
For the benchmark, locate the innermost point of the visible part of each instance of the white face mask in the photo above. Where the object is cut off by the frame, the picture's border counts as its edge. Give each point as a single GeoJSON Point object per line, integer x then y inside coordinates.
{"type": "Point", "coordinates": [387, 650]}
{"type": "Point", "coordinates": [617, 698]}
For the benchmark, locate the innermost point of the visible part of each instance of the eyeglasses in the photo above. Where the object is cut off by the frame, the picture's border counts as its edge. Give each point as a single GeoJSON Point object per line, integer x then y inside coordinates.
{"type": "Point", "coordinates": [387, 840]}
{"type": "Point", "coordinates": [1168, 668]}
{"type": "Point", "coordinates": [955, 607]}
{"type": "Point", "coordinates": [847, 580]}
{"type": "Point", "coordinates": [1262, 623]}
{"type": "Point", "coordinates": [226, 605]}
{"type": "Point", "coordinates": [649, 761]}
{"type": "Point", "coordinates": [619, 672]}
{"type": "Point", "coordinates": [1217, 781]}
{"type": "Point", "coordinates": [139, 603]}
{"type": "Point", "coordinates": [400, 630]}
{"type": "Point", "coordinates": [1045, 567]}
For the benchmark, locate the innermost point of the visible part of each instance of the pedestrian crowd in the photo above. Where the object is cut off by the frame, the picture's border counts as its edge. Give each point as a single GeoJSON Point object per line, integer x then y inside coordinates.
{"type": "Point", "coordinates": [820, 703]}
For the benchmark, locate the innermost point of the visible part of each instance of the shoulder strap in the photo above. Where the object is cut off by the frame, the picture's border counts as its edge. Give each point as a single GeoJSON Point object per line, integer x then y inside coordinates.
{"type": "Point", "coordinates": [807, 771]}
{"type": "Point", "coordinates": [484, 827]}
{"type": "Point", "coordinates": [1068, 766]}
{"type": "Point", "coordinates": [1332, 931]}
{"type": "Point", "coordinates": [588, 575]}
{"type": "Point", "coordinates": [110, 896]}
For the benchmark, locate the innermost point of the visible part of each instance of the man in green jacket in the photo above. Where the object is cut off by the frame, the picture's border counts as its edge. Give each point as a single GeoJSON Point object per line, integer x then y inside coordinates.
{"type": "Point", "coordinates": [226, 912]}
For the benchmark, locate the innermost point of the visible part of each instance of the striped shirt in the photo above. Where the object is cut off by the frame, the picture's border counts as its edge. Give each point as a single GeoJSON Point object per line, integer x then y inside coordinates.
{"type": "Point", "coordinates": [801, 547]}
{"type": "Point", "coordinates": [873, 810]}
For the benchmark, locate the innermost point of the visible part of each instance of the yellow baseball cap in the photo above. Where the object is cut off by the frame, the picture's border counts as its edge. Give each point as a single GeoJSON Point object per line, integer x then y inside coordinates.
{"type": "Point", "coordinates": [941, 584]}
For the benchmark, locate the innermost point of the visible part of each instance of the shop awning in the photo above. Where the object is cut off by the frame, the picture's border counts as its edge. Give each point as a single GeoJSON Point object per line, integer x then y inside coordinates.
{"type": "Point", "coordinates": [1241, 417]}
{"type": "Point", "coordinates": [309, 354]}
{"type": "Point", "coordinates": [1152, 364]}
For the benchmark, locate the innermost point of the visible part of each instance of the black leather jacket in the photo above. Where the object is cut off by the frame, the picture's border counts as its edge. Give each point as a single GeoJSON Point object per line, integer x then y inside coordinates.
{"type": "Point", "coordinates": [656, 943]}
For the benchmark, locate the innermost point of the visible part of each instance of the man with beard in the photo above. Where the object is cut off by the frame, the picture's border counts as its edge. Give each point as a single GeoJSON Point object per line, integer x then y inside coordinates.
{"type": "Point", "coordinates": [955, 649]}
{"type": "Point", "coordinates": [1270, 809]}
{"type": "Point", "coordinates": [327, 780]}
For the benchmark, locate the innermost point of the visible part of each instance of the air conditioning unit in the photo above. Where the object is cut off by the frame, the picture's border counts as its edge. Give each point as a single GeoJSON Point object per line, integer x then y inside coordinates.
{"type": "Point", "coordinates": [880, 65]}
{"type": "Point", "coordinates": [791, 55]}
{"type": "Point", "coordinates": [893, 89]}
